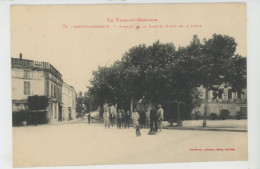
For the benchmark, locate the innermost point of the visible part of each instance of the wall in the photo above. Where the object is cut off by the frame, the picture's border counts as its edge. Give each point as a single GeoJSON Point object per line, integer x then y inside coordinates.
{"type": "Point", "coordinates": [69, 101]}
{"type": "Point", "coordinates": [36, 80]}
{"type": "Point", "coordinates": [216, 105]}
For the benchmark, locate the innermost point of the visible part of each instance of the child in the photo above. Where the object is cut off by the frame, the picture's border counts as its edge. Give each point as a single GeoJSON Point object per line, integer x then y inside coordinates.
{"type": "Point", "coordinates": [138, 132]}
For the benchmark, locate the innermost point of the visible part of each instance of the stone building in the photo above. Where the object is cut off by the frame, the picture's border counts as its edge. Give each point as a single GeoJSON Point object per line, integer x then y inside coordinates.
{"type": "Point", "coordinates": [69, 97]}
{"type": "Point", "coordinates": [226, 99]}
{"type": "Point", "coordinates": [36, 78]}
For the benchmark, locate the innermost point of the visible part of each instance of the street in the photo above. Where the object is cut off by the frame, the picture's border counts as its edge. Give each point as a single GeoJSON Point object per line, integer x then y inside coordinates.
{"type": "Point", "coordinates": [82, 144]}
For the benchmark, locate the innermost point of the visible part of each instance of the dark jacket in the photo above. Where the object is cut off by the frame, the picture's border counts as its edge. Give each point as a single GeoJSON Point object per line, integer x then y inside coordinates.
{"type": "Point", "coordinates": [153, 114]}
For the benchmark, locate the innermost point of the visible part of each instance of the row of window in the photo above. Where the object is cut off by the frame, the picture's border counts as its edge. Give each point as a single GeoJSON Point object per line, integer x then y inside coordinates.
{"type": "Point", "coordinates": [219, 94]}
{"type": "Point", "coordinates": [230, 94]}
{"type": "Point", "coordinates": [53, 90]}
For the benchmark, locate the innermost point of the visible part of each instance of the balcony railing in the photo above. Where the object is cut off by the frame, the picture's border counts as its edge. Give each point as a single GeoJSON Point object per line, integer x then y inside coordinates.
{"type": "Point", "coordinates": [22, 62]}
{"type": "Point", "coordinates": [35, 64]}
{"type": "Point", "coordinates": [228, 100]}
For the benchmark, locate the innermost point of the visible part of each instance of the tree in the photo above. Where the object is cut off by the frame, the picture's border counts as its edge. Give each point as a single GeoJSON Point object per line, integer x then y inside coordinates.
{"type": "Point", "coordinates": [108, 86]}
{"type": "Point", "coordinates": [36, 103]}
{"type": "Point", "coordinates": [160, 73]}
{"type": "Point", "coordinates": [196, 98]}
{"type": "Point", "coordinates": [236, 76]}
{"type": "Point", "coordinates": [147, 68]}
{"type": "Point", "coordinates": [101, 89]}
{"type": "Point", "coordinates": [80, 106]}
{"type": "Point", "coordinates": [214, 64]}
{"type": "Point", "coordinates": [182, 76]}
{"type": "Point", "coordinates": [89, 102]}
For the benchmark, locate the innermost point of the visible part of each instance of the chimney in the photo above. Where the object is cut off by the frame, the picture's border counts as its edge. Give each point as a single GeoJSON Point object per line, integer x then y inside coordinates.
{"type": "Point", "coordinates": [21, 56]}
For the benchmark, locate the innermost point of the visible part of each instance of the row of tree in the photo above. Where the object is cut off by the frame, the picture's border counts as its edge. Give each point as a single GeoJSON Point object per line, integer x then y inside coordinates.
{"type": "Point", "coordinates": [161, 72]}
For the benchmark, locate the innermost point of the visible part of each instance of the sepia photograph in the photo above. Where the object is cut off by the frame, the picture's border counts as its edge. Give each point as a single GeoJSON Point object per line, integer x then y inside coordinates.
{"type": "Point", "coordinates": [110, 84]}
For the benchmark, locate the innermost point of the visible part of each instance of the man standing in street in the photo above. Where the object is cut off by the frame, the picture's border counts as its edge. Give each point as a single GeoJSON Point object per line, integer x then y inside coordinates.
{"type": "Point", "coordinates": [106, 118]}
{"type": "Point", "coordinates": [112, 118]}
{"type": "Point", "coordinates": [153, 121]}
{"type": "Point", "coordinates": [147, 119]}
{"type": "Point", "coordinates": [119, 119]}
{"type": "Point", "coordinates": [160, 117]}
{"type": "Point", "coordinates": [135, 117]}
{"type": "Point", "coordinates": [89, 118]}
{"type": "Point", "coordinates": [127, 119]}
{"type": "Point", "coordinates": [142, 118]}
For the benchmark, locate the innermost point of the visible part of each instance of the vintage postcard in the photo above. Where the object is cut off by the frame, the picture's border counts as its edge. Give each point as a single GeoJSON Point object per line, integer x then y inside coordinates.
{"type": "Point", "coordinates": [128, 84]}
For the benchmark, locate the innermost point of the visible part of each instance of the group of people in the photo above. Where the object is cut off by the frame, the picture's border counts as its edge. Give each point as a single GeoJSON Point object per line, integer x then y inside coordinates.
{"type": "Point", "coordinates": [122, 119]}
{"type": "Point", "coordinates": [156, 118]}
{"type": "Point", "coordinates": [142, 119]}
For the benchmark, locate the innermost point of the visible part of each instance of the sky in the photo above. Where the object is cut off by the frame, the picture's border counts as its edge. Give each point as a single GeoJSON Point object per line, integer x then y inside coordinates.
{"type": "Point", "coordinates": [54, 33]}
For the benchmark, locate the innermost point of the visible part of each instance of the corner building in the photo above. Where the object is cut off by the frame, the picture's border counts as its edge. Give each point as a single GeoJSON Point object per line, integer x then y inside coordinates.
{"type": "Point", "coordinates": [31, 78]}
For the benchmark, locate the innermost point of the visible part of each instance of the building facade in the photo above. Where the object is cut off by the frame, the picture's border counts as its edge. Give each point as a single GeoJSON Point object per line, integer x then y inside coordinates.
{"type": "Point", "coordinates": [69, 97]}
{"type": "Point", "coordinates": [224, 99]}
{"type": "Point", "coordinates": [31, 78]}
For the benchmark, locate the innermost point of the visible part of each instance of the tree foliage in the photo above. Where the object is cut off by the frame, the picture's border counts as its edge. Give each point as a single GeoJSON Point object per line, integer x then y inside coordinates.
{"type": "Point", "coordinates": [159, 72]}
{"type": "Point", "coordinates": [217, 66]}
{"type": "Point", "coordinates": [37, 102]}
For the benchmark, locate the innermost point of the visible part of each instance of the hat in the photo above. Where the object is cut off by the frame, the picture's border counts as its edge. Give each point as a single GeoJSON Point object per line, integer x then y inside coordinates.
{"type": "Point", "coordinates": [160, 105]}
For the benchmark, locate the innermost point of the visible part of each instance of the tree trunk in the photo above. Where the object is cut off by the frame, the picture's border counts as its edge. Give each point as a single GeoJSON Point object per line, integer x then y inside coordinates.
{"type": "Point", "coordinates": [179, 122]}
{"type": "Point", "coordinates": [178, 111]}
{"type": "Point", "coordinates": [131, 105]}
{"type": "Point", "coordinates": [35, 118]}
{"type": "Point", "coordinates": [101, 111]}
{"type": "Point", "coordinates": [150, 105]}
{"type": "Point", "coordinates": [205, 108]}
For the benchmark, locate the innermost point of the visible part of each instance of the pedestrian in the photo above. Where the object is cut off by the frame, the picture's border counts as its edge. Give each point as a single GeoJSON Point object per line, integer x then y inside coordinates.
{"type": "Point", "coordinates": [106, 118]}
{"type": "Point", "coordinates": [147, 119]}
{"type": "Point", "coordinates": [89, 118]}
{"type": "Point", "coordinates": [153, 121]}
{"type": "Point", "coordinates": [127, 118]}
{"type": "Point", "coordinates": [135, 117]}
{"type": "Point", "coordinates": [123, 119]}
{"type": "Point", "coordinates": [119, 119]}
{"type": "Point", "coordinates": [142, 118]}
{"type": "Point", "coordinates": [137, 131]}
{"type": "Point", "coordinates": [112, 119]}
{"type": "Point", "coordinates": [160, 117]}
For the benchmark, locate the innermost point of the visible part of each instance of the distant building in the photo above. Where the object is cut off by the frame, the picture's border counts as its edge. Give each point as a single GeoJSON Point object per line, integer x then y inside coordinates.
{"type": "Point", "coordinates": [226, 99]}
{"type": "Point", "coordinates": [69, 97]}
{"type": "Point", "coordinates": [37, 78]}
